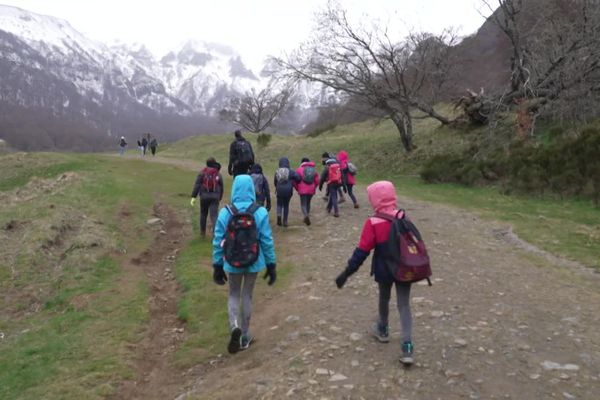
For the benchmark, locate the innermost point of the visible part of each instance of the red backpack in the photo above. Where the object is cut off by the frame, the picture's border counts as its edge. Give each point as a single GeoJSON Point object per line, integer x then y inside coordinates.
{"type": "Point", "coordinates": [406, 257]}
{"type": "Point", "coordinates": [210, 179]}
{"type": "Point", "coordinates": [334, 174]}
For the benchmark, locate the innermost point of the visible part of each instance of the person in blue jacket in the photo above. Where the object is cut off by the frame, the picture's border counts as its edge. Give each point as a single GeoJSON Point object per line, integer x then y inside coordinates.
{"type": "Point", "coordinates": [242, 280]}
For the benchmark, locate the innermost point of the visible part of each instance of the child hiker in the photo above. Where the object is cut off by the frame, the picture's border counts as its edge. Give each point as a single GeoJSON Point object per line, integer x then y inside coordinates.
{"type": "Point", "coordinates": [375, 232]}
{"type": "Point", "coordinates": [309, 180]}
{"type": "Point", "coordinates": [332, 175]}
{"type": "Point", "coordinates": [348, 178]}
{"type": "Point", "coordinates": [242, 248]}
{"type": "Point", "coordinates": [284, 180]}
{"type": "Point", "coordinates": [209, 185]}
{"type": "Point", "coordinates": [261, 186]}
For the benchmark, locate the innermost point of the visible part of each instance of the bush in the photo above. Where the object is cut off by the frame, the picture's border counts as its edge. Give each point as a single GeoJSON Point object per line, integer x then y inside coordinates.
{"type": "Point", "coordinates": [263, 140]}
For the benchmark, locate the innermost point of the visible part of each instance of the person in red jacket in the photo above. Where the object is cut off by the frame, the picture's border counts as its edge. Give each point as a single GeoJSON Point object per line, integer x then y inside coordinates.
{"type": "Point", "coordinates": [375, 232]}
{"type": "Point", "coordinates": [348, 178]}
{"type": "Point", "coordinates": [307, 186]}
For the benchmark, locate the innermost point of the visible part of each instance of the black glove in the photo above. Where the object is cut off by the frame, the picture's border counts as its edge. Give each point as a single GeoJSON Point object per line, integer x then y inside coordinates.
{"type": "Point", "coordinates": [219, 276]}
{"type": "Point", "coordinates": [268, 206]}
{"type": "Point", "coordinates": [340, 281]}
{"type": "Point", "coordinates": [271, 274]}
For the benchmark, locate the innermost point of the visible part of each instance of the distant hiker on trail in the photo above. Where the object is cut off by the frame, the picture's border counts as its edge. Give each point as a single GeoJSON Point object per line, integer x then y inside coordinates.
{"type": "Point", "coordinates": [348, 173]}
{"type": "Point", "coordinates": [332, 175]}
{"type": "Point", "coordinates": [374, 235]}
{"type": "Point", "coordinates": [324, 157]}
{"type": "Point", "coordinates": [242, 246]}
{"type": "Point", "coordinates": [241, 156]}
{"type": "Point", "coordinates": [261, 186]}
{"type": "Point", "coordinates": [209, 185]}
{"type": "Point", "coordinates": [285, 179]}
{"type": "Point", "coordinates": [144, 144]}
{"type": "Point", "coordinates": [309, 181]}
{"type": "Point", "coordinates": [153, 145]}
{"type": "Point", "coordinates": [122, 145]}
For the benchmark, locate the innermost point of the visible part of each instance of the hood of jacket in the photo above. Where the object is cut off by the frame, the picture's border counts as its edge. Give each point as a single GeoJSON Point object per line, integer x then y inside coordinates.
{"type": "Point", "coordinates": [256, 169]}
{"type": "Point", "coordinates": [242, 192]}
{"type": "Point", "coordinates": [284, 162]}
{"type": "Point", "coordinates": [382, 196]}
{"type": "Point", "coordinates": [331, 161]}
{"type": "Point", "coordinates": [213, 164]}
{"type": "Point", "coordinates": [342, 156]}
{"type": "Point", "coordinates": [308, 164]}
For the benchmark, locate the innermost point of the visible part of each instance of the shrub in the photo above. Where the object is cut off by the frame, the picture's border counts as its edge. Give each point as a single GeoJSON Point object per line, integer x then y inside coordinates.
{"type": "Point", "coordinates": [263, 140]}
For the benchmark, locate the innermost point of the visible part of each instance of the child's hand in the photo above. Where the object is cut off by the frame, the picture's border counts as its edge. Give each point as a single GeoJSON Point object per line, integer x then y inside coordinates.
{"type": "Point", "coordinates": [219, 276]}
{"type": "Point", "coordinates": [340, 281]}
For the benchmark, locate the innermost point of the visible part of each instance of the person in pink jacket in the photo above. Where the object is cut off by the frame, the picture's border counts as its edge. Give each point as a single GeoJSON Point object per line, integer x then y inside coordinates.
{"type": "Point", "coordinates": [306, 188]}
{"type": "Point", "coordinates": [348, 179]}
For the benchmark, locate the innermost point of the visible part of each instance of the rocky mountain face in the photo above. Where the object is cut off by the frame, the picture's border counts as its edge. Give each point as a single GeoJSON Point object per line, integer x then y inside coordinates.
{"type": "Point", "coordinates": [59, 89]}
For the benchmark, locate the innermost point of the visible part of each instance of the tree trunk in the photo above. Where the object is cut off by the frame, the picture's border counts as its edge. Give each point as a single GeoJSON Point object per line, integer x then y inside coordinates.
{"type": "Point", "coordinates": [403, 122]}
{"type": "Point", "coordinates": [429, 110]}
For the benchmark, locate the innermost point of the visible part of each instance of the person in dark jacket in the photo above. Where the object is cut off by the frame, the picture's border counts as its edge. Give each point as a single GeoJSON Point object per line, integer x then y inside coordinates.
{"type": "Point", "coordinates": [334, 183]}
{"type": "Point", "coordinates": [153, 145]}
{"type": "Point", "coordinates": [261, 186]}
{"type": "Point", "coordinates": [374, 235]}
{"type": "Point", "coordinates": [284, 189]}
{"type": "Point", "coordinates": [144, 144]}
{"type": "Point", "coordinates": [122, 145]}
{"type": "Point", "coordinates": [209, 185]}
{"type": "Point", "coordinates": [241, 155]}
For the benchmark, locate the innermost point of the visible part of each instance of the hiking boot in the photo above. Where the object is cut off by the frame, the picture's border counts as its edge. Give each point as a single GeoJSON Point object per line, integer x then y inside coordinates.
{"type": "Point", "coordinates": [407, 354]}
{"type": "Point", "coordinates": [356, 205]}
{"type": "Point", "coordinates": [278, 221]}
{"type": "Point", "coordinates": [381, 332]}
{"type": "Point", "coordinates": [234, 341]}
{"type": "Point", "coordinates": [245, 341]}
{"type": "Point", "coordinates": [307, 220]}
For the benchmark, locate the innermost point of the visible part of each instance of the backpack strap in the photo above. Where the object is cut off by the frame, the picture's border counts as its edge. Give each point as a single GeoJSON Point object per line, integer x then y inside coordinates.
{"type": "Point", "coordinates": [232, 209]}
{"type": "Point", "coordinates": [253, 207]}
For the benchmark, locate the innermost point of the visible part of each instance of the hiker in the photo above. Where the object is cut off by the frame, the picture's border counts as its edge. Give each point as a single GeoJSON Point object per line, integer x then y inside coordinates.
{"type": "Point", "coordinates": [242, 279]}
{"type": "Point", "coordinates": [332, 175]}
{"type": "Point", "coordinates": [374, 235]}
{"type": "Point", "coordinates": [153, 146]}
{"type": "Point", "coordinates": [261, 186]}
{"type": "Point", "coordinates": [122, 145]}
{"type": "Point", "coordinates": [348, 172]}
{"type": "Point", "coordinates": [284, 180]}
{"type": "Point", "coordinates": [209, 185]}
{"type": "Point", "coordinates": [144, 145]}
{"type": "Point", "coordinates": [324, 157]}
{"type": "Point", "coordinates": [309, 181]}
{"type": "Point", "coordinates": [241, 156]}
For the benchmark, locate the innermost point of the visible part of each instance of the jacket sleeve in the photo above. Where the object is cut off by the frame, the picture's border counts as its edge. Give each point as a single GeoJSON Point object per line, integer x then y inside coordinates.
{"type": "Point", "coordinates": [267, 190]}
{"type": "Point", "coordinates": [295, 177]}
{"type": "Point", "coordinates": [222, 186]}
{"type": "Point", "coordinates": [232, 156]}
{"type": "Point", "coordinates": [265, 237]}
{"type": "Point", "coordinates": [323, 178]}
{"type": "Point", "coordinates": [317, 180]}
{"type": "Point", "coordinates": [197, 186]}
{"type": "Point", "coordinates": [365, 245]}
{"type": "Point", "coordinates": [218, 236]}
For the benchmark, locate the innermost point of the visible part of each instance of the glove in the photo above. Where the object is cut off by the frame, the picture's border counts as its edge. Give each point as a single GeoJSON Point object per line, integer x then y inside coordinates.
{"type": "Point", "coordinates": [193, 201]}
{"type": "Point", "coordinates": [345, 189]}
{"type": "Point", "coordinates": [219, 276]}
{"type": "Point", "coordinates": [340, 281]}
{"type": "Point", "coordinates": [268, 206]}
{"type": "Point", "coordinates": [271, 274]}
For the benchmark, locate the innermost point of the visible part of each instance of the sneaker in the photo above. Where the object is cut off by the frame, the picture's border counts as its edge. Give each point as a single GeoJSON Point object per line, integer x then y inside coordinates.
{"type": "Point", "coordinates": [356, 205]}
{"type": "Point", "coordinates": [381, 332]}
{"type": "Point", "coordinates": [307, 220]}
{"type": "Point", "coordinates": [234, 342]}
{"type": "Point", "coordinates": [245, 341]}
{"type": "Point", "coordinates": [407, 354]}
{"type": "Point", "coordinates": [279, 221]}
{"type": "Point", "coordinates": [336, 215]}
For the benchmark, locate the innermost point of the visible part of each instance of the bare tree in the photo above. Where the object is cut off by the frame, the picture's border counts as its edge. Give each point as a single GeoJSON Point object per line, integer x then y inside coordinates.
{"type": "Point", "coordinates": [392, 77]}
{"type": "Point", "coordinates": [255, 111]}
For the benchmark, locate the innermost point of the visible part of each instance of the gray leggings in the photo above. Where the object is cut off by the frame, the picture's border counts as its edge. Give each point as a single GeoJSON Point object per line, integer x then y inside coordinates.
{"type": "Point", "coordinates": [403, 302]}
{"type": "Point", "coordinates": [241, 287]}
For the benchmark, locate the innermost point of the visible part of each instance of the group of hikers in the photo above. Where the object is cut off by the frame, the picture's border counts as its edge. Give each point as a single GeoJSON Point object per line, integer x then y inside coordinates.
{"type": "Point", "coordinates": [243, 243]}
{"type": "Point", "coordinates": [146, 141]}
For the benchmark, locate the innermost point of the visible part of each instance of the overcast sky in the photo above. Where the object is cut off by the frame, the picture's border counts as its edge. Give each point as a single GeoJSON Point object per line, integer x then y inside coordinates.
{"type": "Point", "coordinates": [254, 28]}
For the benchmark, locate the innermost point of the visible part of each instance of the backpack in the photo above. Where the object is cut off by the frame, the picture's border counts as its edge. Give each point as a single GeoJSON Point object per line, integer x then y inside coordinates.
{"type": "Point", "coordinates": [334, 173]}
{"type": "Point", "coordinates": [352, 170]}
{"type": "Point", "coordinates": [240, 247]}
{"type": "Point", "coordinates": [210, 179]}
{"type": "Point", "coordinates": [282, 175]}
{"type": "Point", "coordinates": [308, 175]}
{"type": "Point", "coordinates": [259, 181]}
{"type": "Point", "coordinates": [243, 151]}
{"type": "Point", "coordinates": [406, 257]}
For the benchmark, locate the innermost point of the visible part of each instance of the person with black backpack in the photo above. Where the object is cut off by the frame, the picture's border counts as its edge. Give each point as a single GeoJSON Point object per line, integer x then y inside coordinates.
{"type": "Point", "coordinates": [209, 185]}
{"type": "Point", "coordinates": [153, 146]}
{"type": "Point", "coordinates": [243, 246]}
{"type": "Point", "coordinates": [375, 235]}
{"type": "Point", "coordinates": [284, 180]}
{"type": "Point", "coordinates": [261, 186]}
{"type": "Point", "coordinates": [306, 188]}
{"type": "Point", "coordinates": [241, 156]}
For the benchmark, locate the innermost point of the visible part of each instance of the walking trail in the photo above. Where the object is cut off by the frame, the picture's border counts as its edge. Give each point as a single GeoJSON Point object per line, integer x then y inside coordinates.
{"type": "Point", "coordinates": [500, 322]}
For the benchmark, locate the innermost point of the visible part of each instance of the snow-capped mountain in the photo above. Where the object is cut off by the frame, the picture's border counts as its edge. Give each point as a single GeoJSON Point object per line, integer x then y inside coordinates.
{"type": "Point", "coordinates": [48, 66]}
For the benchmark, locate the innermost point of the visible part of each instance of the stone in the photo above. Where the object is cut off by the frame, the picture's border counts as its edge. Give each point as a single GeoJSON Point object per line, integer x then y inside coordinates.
{"type": "Point", "coordinates": [337, 378]}
{"type": "Point", "coordinates": [534, 377]}
{"type": "Point", "coordinates": [355, 336]}
{"type": "Point", "coordinates": [551, 365]}
{"type": "Point", "coordinates": [349, 387]}
{"type": "Point", "coordinates": [569, 396]}
{"type": "Point", "coordinates": [437, 314]}
{"type": "Point", "coordinates": [460, 342]}
{"type": "Point", "coordinates": [292, 318]}
{"type": "Point", "coordinates": [154, 221]}
{"type": "Point", "coordinates": [354, 363]}
{"type": "Point", "coordinates": [322, 371]}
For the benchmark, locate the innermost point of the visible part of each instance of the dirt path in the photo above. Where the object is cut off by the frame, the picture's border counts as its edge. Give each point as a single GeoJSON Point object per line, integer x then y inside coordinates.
{"type": "Point", "coordinates": [500, 322]}
{"type": "Point", "coordinates": [154, 377]}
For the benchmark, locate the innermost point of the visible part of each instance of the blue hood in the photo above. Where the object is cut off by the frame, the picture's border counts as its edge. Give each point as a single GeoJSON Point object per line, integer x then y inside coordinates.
{"type": "Point", "coordinates": [284, 162]}
{"type": "Point", "coordinates": [242, 192]}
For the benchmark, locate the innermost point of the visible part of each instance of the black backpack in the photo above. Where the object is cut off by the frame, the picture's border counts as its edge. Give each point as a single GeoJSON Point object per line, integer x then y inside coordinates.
{"type": "Point", "coordinates": [308, 174]}
{"type": "Point", "coordinates": [244, 151]}
{"type": "Point", "coordinates": [241, 247]}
